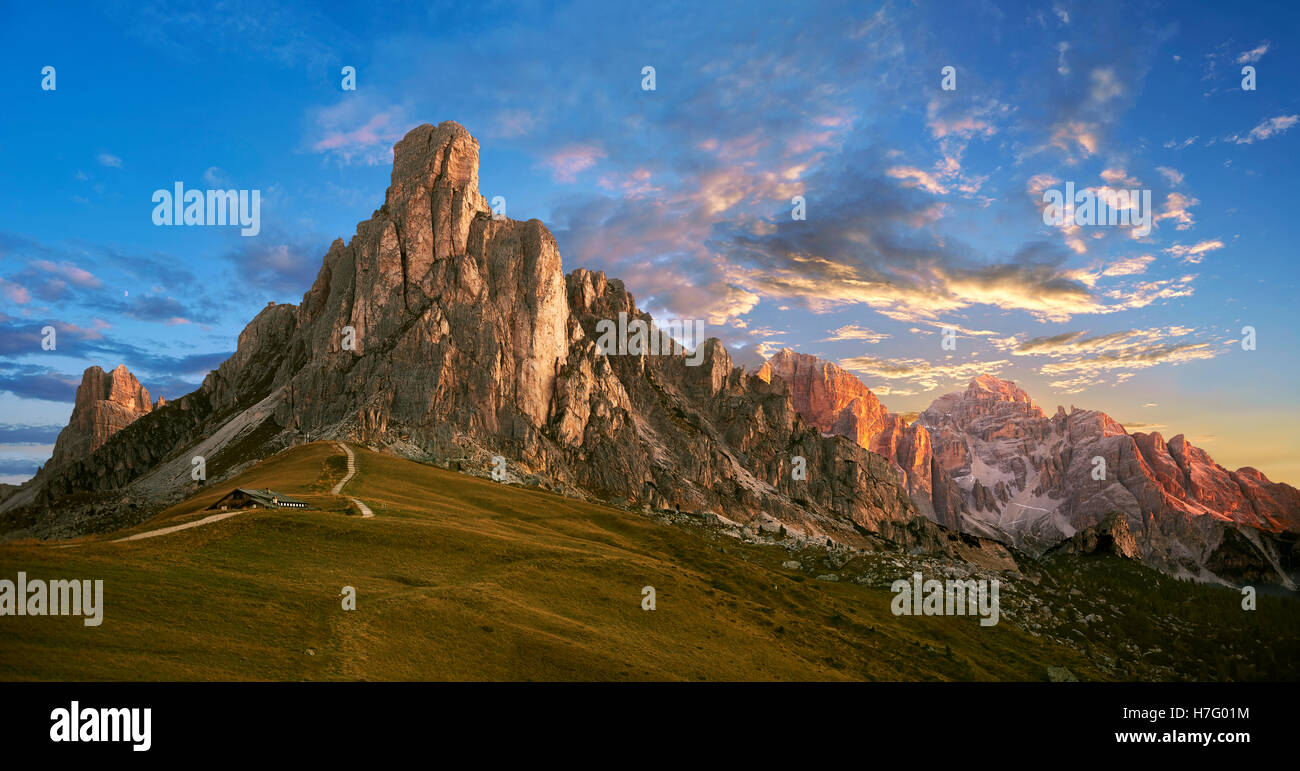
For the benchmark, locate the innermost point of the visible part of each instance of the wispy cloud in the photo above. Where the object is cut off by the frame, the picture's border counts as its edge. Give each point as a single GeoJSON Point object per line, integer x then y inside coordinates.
{"type": "Point", "coordinates": [855, 332]}
{"type": "Point", "coordinates": [568, 162]}
{"type": "Point", "coordinates": [357, 130]}
{"type": "Point", "coordinates": [1080, 360]}
{"type": "Point", "coordinates": [1269, 128]}
{"type": "Point", "coordinates": [903, 376]}
{"type": "Point", "coordinates": [1194, 253]}
{"type": "Point", "coordinates": [1254, 54]}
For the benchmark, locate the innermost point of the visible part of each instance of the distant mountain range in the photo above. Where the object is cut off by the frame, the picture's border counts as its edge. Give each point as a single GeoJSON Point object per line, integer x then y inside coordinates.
{"type": "Point", "coordinates": [444, 334]}
{"type": "Point", "coordinates": [988, 461]}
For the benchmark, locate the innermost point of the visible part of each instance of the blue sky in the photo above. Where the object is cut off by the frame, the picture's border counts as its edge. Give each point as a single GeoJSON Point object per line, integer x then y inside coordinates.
{"type": "Point", "coordinates": [923, 204]}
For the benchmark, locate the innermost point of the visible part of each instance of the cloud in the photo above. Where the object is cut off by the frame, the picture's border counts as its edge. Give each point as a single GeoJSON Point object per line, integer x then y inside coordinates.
{"type": "Point", "coordinates": [1269, 128]}
{"type": "Point", "coordinates": [1080, 360]}
{"type": "Point", "coordinates": [1073, 135]}
{"type": "Point", "coordinates": [364, 136]}
{"type": "Point", "coordinates": [1194, 253]}
{"type": "Point", "coordinates": [1119, 177]}
{"type": "Point", "coordinates": [869, 246]}
{"type": "Point", "coordinates": [637, 184]}
{"type": "Point", "coordinates": [34, 379]}
{"type": "Point", "coordinates": [513, 123]}
{"type": "Point", "coordinates": [24, 434]}
{"type": "Point", "coordinates": [911, 376]}
{"type": "Point", "coordinates": [18, 469]}
{"type": "Point", "coordinates": [1254, 54]}
{"type": "Point", "coordinates": [1118, 367]}
{"type": "Point", "coordinates": [913, 177]}
{"type": "Point", "coordinates": [657, 245]}
{"type": "Point", "coordinates": [214, 177]}
{"type": "Point", "coordinates": [34, 382]}
{"type": "Point", "coordinates": [109, 160]}
{"type": "Point", "coordinates": [1128, 266]}
{"type": "Point", "coordinates": [855, 332]}
{"type": "Point", "coordinates": [1146, 293]}
{"type": "Point", "coordinates": [1106, 86]}
{"type": "Point", "coordinates": [357, 130]}
{"type": "Point", "coordinates": [1178, 208]}
{"type": "Point", "coordinates": [151, 307]}
{"type": "Point", "coordinates": [1173, 176]}
{"type": "Point", "coordinates": [78, 276]}
{"type": "Point", "coordinates": [277, 264]}
{"type": "Point", "coordinates": [721, 302]}
{"type": "Point", "coordinates": [15, 293]}
{"type": "Point", "coordinates": [964, 120]}
{"type": "Point", "coordinates": [566, 163]}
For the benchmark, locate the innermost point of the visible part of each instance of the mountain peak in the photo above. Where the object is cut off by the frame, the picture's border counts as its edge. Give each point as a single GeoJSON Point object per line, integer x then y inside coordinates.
{"type": "Point", "coordinates": [106, 402]}
{"type": "Point", "coordinates": [428, 154]}
{"type": "Point", "coordinates": [789, 361]}
{"type": "Point", "coordinates": [988, 386]}
{"type": "Point", "coordinates": [119, 386]}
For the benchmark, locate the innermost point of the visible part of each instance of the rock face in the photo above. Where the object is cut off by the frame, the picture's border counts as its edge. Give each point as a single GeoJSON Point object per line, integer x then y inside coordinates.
{"type": "Point", "coordinates": [1110, 536]}
{"type": "Point", "coordinates": [837, 402]}
{"type": "Point", "coordinates": [444, 334]}
{"type": "Point", "coordinates": [106, 403]}
{"type": "Point", "coordinates": [1032, 480]}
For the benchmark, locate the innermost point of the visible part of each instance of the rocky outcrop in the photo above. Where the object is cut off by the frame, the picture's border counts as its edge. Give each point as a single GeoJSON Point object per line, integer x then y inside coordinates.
{"type": "Point", "coordinates": [1110, 536]}
{"type": "Point", "coordinates": [447, 335]}
{"type": "Point", "coordinates": [830, 398]}
{"type": "Point", "coordinates": [106, 403]}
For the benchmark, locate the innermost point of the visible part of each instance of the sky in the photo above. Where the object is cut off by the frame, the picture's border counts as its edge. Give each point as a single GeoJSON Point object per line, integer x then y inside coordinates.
{"type": "Point", "coordinates": [922, 205]}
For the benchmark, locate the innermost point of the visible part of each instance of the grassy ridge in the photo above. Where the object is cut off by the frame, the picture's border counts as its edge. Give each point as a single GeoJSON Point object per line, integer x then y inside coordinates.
{"type": "Point", "coordinates": [463, 578]}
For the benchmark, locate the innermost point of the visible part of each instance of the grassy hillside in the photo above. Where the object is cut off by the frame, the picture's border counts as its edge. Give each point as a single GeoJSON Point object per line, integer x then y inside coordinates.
{"type": "Point", "coordinates": [464, 578]}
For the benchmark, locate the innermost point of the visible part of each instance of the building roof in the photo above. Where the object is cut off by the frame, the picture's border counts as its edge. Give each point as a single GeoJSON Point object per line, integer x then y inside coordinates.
{"type": "Point", "coordinates": [270, 496]}
{"type": "Point", "coordinates": [266, 497]}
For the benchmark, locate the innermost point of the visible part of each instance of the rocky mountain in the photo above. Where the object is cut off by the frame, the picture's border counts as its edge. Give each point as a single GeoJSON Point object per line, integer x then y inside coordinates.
{"type": "Point", "coordinates": [442, 333]}
{"type": "Point", "coordinates": [1032, 480]}
{"type": "Point", "coordinates": [989, 462]}
{"type": "Point", "coordinates": [838, 403]}
{"type": "Point", "coordinates": [106, 403]}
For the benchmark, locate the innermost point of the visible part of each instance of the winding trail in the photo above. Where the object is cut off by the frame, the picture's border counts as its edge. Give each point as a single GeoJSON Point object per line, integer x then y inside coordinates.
{"type": "Point", "coordinates": [366, 513]}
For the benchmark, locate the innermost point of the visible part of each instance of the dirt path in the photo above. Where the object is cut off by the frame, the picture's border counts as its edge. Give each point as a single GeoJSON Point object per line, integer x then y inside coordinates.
{"type": "Point", "coordinates": [366, 513]}
{"type": "Point", "coordinates": [177, 528]}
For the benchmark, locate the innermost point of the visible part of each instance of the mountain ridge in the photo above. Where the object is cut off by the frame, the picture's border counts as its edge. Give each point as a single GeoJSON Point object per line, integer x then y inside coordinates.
{"type": "Point", "coordinates": [1031, 481]}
